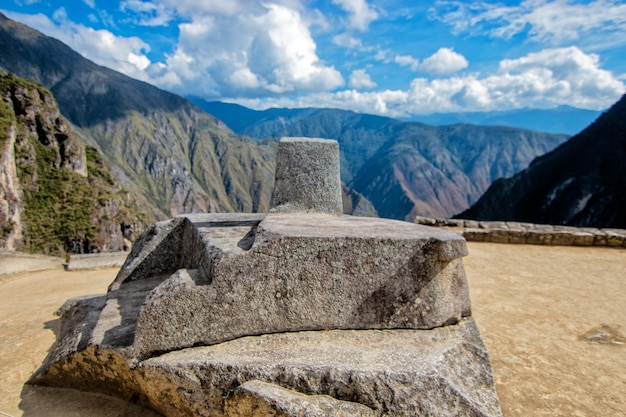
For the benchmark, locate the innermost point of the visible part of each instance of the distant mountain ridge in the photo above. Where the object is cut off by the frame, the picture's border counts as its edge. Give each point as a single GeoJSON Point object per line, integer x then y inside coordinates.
{"type": "Point", "coordinates": [562, 119]}
{"type": "Point", "coordinates": [580, 183]}
{"type": "Point", "coordinates": [172, 155]}
{"type": "Point", "coordinates": [177, 158]}
{"type": "Point", "coordinates": [404, 168]}
{"type": "Point", "coordinates": [559, 120]}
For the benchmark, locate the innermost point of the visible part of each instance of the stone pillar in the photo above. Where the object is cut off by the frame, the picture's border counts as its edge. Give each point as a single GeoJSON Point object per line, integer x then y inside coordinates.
{"type": "Point", "coordinates": [307, 176]}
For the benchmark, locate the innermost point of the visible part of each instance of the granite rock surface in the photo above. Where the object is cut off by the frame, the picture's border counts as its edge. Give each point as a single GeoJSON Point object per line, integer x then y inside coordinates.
{"type": "Point", "coordinates": [300, 312]}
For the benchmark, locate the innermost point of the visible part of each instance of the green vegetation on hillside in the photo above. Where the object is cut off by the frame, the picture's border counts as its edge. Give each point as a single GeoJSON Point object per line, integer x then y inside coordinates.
{"type": "Point", "coordinates": [70, 200]}
{"type": "Point", "coordinates": [63, 206]}
{"type": "Point", "coordinates": [58, 204]}
{"type": "Point", "coordinates": [7, 118]}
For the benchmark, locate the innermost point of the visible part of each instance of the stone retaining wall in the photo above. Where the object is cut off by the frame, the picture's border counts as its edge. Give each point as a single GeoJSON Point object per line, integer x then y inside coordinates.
{"type": "Point", "coordinates": [96, 261]}
{"type": "Point", "coordinates": [12, 262]}
{"type": "Point", "coordinates": [528, 233]}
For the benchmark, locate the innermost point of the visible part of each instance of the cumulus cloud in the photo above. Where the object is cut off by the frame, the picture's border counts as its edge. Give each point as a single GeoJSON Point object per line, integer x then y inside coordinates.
{"type": "Point", "coordinates": [554, 21]}
{"type": "Point", "coordinates": [407, 61]}
{"type": "Point", "coordinates": [361, 15]}
{"type": "Point", "coordinates": [261, 50]}
{"type": "Point", "coordinates": [272, 52]}
{"type": "Point", "coordinates": [361, 79]}
{"type": "Point", "coordinates": [127, 55]}
{"type": "Point", "coordinates": [544, 79]}
{"type": "Point", "coordinates": [444, 61]}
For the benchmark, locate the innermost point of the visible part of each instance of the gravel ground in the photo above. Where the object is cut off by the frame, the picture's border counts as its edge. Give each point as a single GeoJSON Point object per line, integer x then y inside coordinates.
{"type": "Point", "coordinates": [553, 319]}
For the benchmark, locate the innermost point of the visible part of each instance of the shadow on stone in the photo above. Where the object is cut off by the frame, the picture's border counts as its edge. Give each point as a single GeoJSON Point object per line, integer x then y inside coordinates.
{"type": "Point", "coordinates": [355, 313]}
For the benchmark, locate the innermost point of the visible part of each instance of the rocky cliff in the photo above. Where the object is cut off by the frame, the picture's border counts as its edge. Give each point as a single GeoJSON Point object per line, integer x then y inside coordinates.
{"type": "Point", "coordinates": [581, 183]}
{"type": "Point", "coordinates": [56, 194]}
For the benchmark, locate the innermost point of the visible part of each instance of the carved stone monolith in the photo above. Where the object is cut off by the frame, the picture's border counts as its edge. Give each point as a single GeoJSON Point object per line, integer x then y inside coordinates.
{"type": "Point", "coordinates": [299, 312]}
{"type": "Point", "coordinates": [307, 176]}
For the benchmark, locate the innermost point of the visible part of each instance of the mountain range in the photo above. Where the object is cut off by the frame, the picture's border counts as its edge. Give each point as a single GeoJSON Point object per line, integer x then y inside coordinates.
{"type": "Point", "coordinates": [176, 156]}
{"type": "Point", "coordinates": [580, 183]}
{"type": "Point", "coordinates": [560, 119]}
{"type": "Point", "coordinates": [405, 169]}
{"type": "Point", "coordinates": [170, 154]}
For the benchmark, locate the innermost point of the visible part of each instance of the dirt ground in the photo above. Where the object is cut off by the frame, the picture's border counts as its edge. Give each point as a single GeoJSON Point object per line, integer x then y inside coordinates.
{"type": "Point", "coordinates": [553, 319]}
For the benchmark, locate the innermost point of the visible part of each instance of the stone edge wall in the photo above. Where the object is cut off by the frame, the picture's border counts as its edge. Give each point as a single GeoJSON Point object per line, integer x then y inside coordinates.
{"type": "Point", "coordinates": [528, 233]}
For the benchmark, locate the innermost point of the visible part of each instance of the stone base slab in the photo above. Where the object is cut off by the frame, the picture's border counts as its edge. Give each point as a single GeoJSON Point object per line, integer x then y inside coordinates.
{"type": "Point", "coordinates": [439, 372]}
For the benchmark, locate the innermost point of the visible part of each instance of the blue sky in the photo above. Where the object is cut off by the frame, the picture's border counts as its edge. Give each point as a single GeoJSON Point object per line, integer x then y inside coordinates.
{"type": "Point", "coordinates": [389, 57]}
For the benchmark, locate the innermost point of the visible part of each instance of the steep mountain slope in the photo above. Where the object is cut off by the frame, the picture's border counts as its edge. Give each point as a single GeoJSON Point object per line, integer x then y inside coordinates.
{"type": "Point", "coordinates": [404, 168]}
{"type": "Point", "coordinates": [581, 183]}
{"type": "Point", "coordinates": [359, 135]}
{"type": "Point", "coordinates": [438, 171]}
{"type": "Point", "coordinates": [171, 154]}
{"type": "Point", "coordinates": [56, 195]}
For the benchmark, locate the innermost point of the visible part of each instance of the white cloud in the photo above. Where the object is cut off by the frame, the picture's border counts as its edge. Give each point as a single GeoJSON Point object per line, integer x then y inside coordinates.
{"type": "Point", "coordinates": [90, 3]}
{"type": "Point", "coordinates": [190, 9]}
{"type": "Point", "coordinates": [361, 15]}
{"type": "Point", "coordinates": [270, 51]}
{"type": "Point", "coordinates": [347, 41]}
{"type": "Point", "coordinates": [544, 79]}
{"type": "Point", "coordinates": [361, 79]}
{"type": "Point", "coordinates": [255, 54]}
{"type": "Point", "coordinates": [554, 21]}
{"type": "Point", "coordinates": [126, 55]}
{"type": "Point", "coordinates": [444, 61]}
{"type": "Point", "coordinates": [407, 61]}
{"type": "Point", "coordinates": [387, 102]}
{"type": "Point", "coordinates": [260, 51]}
{"type": "Point", "coordinates": [148, 13]}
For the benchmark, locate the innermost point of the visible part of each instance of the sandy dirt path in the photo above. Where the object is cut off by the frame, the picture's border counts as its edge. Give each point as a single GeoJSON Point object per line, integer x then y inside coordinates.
{"type": "Point", "coordinates": [533, 305]}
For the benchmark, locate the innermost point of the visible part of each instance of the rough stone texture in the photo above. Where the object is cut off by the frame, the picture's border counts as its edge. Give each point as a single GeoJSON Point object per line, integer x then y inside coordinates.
{"type": "Point", "coordinates": [295, 313]}
{"type": "Point", "coordinates": [307, 176]}
{"type": "Point", "coordinates": [492, 225]}
{"type": "Point", "coordinates": [499, 236]}
{"type": "Point", "coordinates": [583, 239]}
{"type": "Point", "coordinates": [518, 236]}
{"type": "Point", "coordinates": [539, 237]}
{"type": "Point", "coordinates": [96, 260]}
{"type": "Point", "coordinates": [258, 279]}
{"type": "Point", "coordinates": [16, 262]}
{"type": "Point", "coordinates": [476, 235]}
{"type": "Point", "coordinates": [364, 273]}
{"type": "Point", "coordinates": [615, 237]}
{"type": "Point", "coordinates": [439, 372]}
{"type": "Point", "coordinates": [532, 234]}
{"type": "Point", "coordinates": [260, 399]}
{"type": "Point", "coordinates": [11, 206]}
{"type": "Point", "coordinates": [562, 238]}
